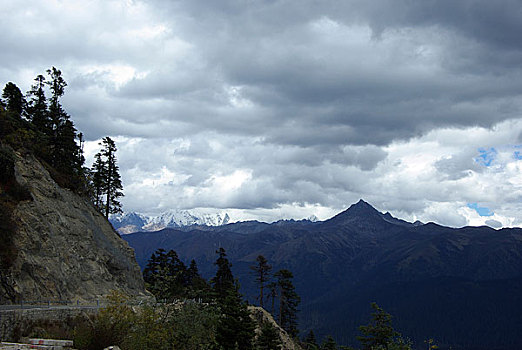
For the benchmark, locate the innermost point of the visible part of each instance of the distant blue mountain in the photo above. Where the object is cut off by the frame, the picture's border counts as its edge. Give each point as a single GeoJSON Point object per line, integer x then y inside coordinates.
{"type": "Point", "coordinates": [461, 287]}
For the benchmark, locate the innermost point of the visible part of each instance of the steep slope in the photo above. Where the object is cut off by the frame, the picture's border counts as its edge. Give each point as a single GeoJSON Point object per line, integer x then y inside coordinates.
{"type": "Point", "coordinates": [461, 286]}
{"type": "Point", "coordinates": [261, 316]}
{"type": "Point", "coordinates": [66, 250]}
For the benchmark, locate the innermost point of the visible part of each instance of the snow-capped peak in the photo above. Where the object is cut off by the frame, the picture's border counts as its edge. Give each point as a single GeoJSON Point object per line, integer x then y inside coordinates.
{"type": "Point", "coordinates": [134, 222]}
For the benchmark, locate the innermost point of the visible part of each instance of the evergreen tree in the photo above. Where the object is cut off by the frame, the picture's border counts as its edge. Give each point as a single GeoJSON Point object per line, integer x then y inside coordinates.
{"type": "Point", "coordinates": [272, 294]}
{"type": "Point", "coordinates": [311, 342]}
{"type": "Point", "coordinates": [268, 339]}
{"type": "Point", "coordinates": [288, 302]}
{"type": "Point", "coordinates": [166, 275]}
{"type": "Point", "coordinates": [37, 106]}
{"type": "Point", "coordinates": [329, 343]}
{"type": "Point", "coordinates": [98, 177]}
{"type": "Point", "coordinates": [224, 280]}
{"type": "Point", "coordinates": [197, 286]}
{"type": "Point", "coordinates": [106, 175]}
{"type": "Point", "coordinates": [262, 273]}
{"type": "Point", "coordinates": [379, 334]}
{"type": "Point", "coordinates": [14, 100]}
{"type": "Point", "coordinates": [52, 140]}
{"type": "Point", "coordinates": [57, 86]}
{"type": "Point", "coordinates": [66, 154]}
{"type": "Point", "coordinates": [235, 329]}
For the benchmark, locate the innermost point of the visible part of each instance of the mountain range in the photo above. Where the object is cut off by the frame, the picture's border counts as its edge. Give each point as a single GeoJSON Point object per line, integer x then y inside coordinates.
{"type": "Point", "coordinates": [461, 287]}
{"type": "Point", "coordinates": [134, 222]}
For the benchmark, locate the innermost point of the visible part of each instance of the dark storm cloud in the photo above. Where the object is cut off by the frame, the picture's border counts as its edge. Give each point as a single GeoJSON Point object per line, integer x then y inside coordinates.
{"type": "Point", "coordinates": [267, 104]}
{"type": "Point", "coordinates": [318, 85]}
{"type": "Point", "coordinates": [494, 23]}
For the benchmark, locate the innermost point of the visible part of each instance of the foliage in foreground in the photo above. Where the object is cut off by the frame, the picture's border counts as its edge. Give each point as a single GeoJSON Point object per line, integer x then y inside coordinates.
{"type": "Point", "coordinates": [190, 327]}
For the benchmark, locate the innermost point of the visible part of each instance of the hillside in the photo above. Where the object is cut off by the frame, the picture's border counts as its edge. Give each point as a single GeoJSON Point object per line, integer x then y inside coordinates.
{"type": "Point", "coordinates": [64, 249]}
{"type": "Point", "coordinates": [461, 287]}
{"type": "Point", "coordinates": [54, 244]}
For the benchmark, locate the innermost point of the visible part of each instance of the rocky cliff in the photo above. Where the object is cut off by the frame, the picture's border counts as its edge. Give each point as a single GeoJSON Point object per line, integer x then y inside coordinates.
{"type": "Point", "coordinates": [261, 316]}
{"type": "Point", "coordinates": [66, 250]}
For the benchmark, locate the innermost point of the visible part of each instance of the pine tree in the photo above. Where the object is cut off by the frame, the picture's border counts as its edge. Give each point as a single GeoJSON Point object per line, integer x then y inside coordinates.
{"type": "Point", "coordinates": [268, 339]}
{"type": "Point", "coordinates": [66, 154]}
{"type": "Point", "coordinates": [311, 342]}
{"type": "Point", "coordinates": [112, 181]}
{"type": "Point", "coordinates": [262, 273]}
{"type": "Point", "coordinates": [197, 286]}
{"type": "Point", "coordinates": [272, 294]}
{"type": "Point", "coordinates": [224, 280]}
{"type": "Point", "coordinates": [329, 344]}
{"type": "Point", "coordinates": [288, 302]}
{"type": "Point", "coordinates": [98, 177]}
{"type": "Point", "coordinates": [166, 275]}
{"type": "Point", "coordinates": [235, 329]}
{"type": "Point", "coordinates": [379, 334]}
{"type": "Point", "coordinates": [57, 86]}
{"type": "Point", "coordinates": [14, 100]}
{"type": "Point", "coordinates": [37, 106]}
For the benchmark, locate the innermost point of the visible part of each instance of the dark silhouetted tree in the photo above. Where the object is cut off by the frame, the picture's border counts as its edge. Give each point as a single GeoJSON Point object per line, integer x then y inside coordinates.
{"type": "Point", "coordinates": [166, 275]}
{"type": "Point", "coordinates": [57, 86]}
{"type": "Point", "coordinates": [310, 342]}
{"type": "Point", "coordinates": [262, 274]}
{"type": "Point", "coordinates": [37, 106]}
{"type": "Point", "coordinates": [13, 99]}
{"type": "Point", "coordinates": [197, 285]}
{"type": "Point", "coordinates": [272, 295]}
{"type": "Point", "coordinates": [268, 338]}
{"type": "Point", "coordinates": [98, 181]}
{"type": "Point", "coordinates": [235, 329]}
{"type": "Point", "coordinates": [288, 301]}
{"type": "Point", "coordinates": [224, 280]}
{"type": "Point", "coordinates": [105, 174]}
{"type": "Point", "coordinates": [379, 334]}
{"type": "Point", "coordinates": [66, 153]}
{"type": "Point", "coordinates": [329, 343]}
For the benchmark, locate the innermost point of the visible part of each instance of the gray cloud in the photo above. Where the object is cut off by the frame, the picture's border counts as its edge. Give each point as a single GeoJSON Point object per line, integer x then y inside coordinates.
{"type": "Point", "coordinates": [494, 223]}
{"type": "Point", "coordinates": [304, 103]}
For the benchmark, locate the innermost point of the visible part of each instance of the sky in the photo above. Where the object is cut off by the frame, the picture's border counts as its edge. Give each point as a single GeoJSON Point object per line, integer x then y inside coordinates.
{"type": "Point", "coordinates": [279, 109]}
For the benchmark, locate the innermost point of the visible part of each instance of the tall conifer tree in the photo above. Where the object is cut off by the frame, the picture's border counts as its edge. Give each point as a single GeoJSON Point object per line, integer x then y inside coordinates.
{"type": "Point", "coordinates": [262, 273]}
{"type": "Point", "coordinates": [288, 301]}
{"type": "Point", "coordinates": [235, 329]}
{"type": "Point", "coordinates": [98, 181]}
{"type": "Point", "coordinates": [113, 186]}
{"type": "Point", "coordinates": [268, 338]}
{"type": "Point", "coordinates": [37, 106]}
{"type": "Point", "coordinates": [224, 280]}
{"type": "Point", "coordinates": [14, 100]}
{"type": "Point", "coordinates": [106, 180]}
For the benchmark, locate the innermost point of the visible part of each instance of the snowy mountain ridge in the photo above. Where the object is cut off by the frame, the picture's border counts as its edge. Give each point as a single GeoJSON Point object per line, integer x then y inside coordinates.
{"type": "Point", "coordinates": [134, 222]}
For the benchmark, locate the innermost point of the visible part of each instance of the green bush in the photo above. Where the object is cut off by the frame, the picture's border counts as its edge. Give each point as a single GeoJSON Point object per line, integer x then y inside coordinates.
{"type": "Point", "coordinates": [187, 327]}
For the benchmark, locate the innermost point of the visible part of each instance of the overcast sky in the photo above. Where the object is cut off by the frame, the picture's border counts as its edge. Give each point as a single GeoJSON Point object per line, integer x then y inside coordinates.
{"type": "Point", "coordinates": [285, 109]}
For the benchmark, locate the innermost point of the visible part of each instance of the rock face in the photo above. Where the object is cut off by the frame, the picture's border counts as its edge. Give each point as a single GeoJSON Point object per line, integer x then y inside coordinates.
{"type": "Point", "coordinates": [66, 249]}
{"type": "Point", "coordinates": [260, 315]}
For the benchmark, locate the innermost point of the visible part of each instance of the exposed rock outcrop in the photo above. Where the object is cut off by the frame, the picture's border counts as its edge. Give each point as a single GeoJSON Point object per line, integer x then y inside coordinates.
{"type": "Point", "coordinates": [66, 249]}
{"type": "Point", "coordinates": [261, 316]}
